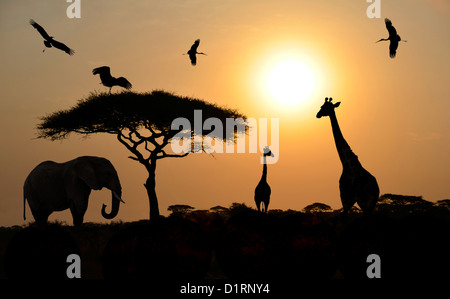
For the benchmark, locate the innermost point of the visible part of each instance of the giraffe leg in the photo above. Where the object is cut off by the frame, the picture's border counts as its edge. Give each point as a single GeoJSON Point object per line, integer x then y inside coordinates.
{"type": "Point", "coordinates": [368, 193]}
{"type": "Point", "coordinates": [347, 196]}
{"type": "Point", "coordinates": [344, 216]}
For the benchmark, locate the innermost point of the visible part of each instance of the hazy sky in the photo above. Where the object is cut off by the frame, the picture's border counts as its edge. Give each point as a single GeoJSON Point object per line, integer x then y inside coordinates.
{"type": "Point", "coordinates": [266, 58]}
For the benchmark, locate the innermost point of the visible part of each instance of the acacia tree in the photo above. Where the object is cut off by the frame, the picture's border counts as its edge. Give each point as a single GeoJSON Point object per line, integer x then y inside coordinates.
{"type": "Point", "coordinates": [180, 209]}
{"type": "Point", "coordinates": [142, 122]}
{"type": "Point", "coordinates": [317, 207]}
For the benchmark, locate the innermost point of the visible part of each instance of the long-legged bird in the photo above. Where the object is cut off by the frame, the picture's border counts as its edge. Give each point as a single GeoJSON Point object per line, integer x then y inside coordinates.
{"type": "Point", "coordinates": [49, 41]}
{"type": "Point", "coordinates": [110, 81]}
{"type": "Point", "coordinates": [394, 38]}
{"type": "Point", "coordinates": [193, 51]}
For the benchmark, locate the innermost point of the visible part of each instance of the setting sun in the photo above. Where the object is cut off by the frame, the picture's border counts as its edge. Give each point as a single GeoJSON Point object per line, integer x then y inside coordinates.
{"type": "Point", "coordinates": [289, 76]}
{"type": "Point", "coordinates": [290, 82]}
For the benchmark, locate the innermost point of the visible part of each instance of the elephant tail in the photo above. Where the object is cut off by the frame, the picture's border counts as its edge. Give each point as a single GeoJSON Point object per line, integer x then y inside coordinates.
{"type": "Point", "coordinates": [24, 204]}
{"type": "Point", "coordinates": [25, 196]}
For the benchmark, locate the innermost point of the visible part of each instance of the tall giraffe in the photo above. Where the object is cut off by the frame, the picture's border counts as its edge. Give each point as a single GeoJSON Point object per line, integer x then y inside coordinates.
{"type": "Point", "coordinates": [356, 184]}
{"type": "Point", "coordinates": [262, 190]}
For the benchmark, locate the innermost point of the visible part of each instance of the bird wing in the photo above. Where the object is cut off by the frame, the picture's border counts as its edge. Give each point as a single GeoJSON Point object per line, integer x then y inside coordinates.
{"type": "Point", "coordinates": [195, 46]}
{"type": "Point", "coordinates": [390, 28]}
{"type": "Point", "coordinates": [63, 47]}
{"type": "Point", "coordinates": [40, 29]}
{"type": "Point", "coordinates": [103, 70]}
{"type": "Point", "coordinates": [393, 48]}
{"type": "Point", "coordinates": [121, 81]}
{"type": "Point", "coordinates": [193, 58]}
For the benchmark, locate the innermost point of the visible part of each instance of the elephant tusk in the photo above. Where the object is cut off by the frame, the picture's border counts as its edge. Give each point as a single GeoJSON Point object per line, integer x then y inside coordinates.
{"type": "Point", "coordinates": [117, 196]}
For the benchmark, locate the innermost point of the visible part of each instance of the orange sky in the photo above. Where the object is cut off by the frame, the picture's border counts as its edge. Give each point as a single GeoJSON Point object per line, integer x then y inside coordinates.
{"type": "Point", "coordinates": [393, 112]}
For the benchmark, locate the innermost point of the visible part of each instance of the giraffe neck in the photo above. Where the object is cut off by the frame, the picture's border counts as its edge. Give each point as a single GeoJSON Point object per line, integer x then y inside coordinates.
{"type": "Point", "coordinates": [346, 154]}
{"type": "Point", "coordinates": [264, 173]}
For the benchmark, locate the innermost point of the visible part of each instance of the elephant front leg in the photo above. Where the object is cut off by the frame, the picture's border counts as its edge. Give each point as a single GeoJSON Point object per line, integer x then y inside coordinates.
{"type": "Point", "coordinates": [77, 219]}
{"type": "Point", "coordinates": [78, 210]}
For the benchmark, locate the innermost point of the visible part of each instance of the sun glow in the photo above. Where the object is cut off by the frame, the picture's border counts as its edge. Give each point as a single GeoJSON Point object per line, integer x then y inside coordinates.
{"type": "Point", "coordinates": [290, 82]}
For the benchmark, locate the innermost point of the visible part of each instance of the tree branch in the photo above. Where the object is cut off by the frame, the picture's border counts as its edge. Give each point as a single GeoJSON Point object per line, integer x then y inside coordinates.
{"type": "Point", "coordinates": [139, 157]}
{"type": "Point", "coordinates": [165, 155]}
{"type": "Point", "coordinates": [154, 134]}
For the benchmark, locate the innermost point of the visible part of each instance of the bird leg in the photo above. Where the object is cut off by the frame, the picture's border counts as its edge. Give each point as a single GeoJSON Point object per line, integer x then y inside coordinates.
{"type": "Point", "coordinates": [110, 90]}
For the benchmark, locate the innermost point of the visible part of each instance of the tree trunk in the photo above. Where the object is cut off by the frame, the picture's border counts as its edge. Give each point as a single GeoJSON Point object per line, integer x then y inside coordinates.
{"type": "Point", "coordinates": [150, 185]}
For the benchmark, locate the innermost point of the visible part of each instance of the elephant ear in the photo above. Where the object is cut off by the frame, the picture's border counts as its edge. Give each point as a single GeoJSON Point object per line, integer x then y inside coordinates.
{"type": "Point", "coordinates": [86, 172]}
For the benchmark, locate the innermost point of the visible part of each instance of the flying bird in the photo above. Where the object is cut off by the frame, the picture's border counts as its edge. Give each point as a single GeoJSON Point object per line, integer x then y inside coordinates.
{"type": "Point", "coordinates": [110, 81]}
{"type": "Point", "coordinates": [49, 41]}
{"type": "Point", "coordinates": [193, 51]}
{"type": "Point", "coordinates": [394, 38]}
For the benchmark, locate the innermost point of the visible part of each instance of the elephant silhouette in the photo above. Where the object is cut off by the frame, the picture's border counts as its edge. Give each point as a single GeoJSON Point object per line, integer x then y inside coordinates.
{"type": "Point", "coordinates": [52, 186]}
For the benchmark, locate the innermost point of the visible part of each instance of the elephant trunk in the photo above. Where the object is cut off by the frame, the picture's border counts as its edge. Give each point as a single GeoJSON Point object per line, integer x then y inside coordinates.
{"type": "Point", "coordinates": [115, 206]}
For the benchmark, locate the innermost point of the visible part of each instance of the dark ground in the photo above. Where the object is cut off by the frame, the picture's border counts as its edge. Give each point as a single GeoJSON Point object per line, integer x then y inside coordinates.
{"type": "Point", "coordinates": [240, 244]}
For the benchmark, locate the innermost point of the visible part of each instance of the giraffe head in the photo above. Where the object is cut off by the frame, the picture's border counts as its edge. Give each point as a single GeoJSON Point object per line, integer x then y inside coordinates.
{"type": "Point", "coordinates": [327, 108]}
{"type": "Point", "coordinates": [267, 152]}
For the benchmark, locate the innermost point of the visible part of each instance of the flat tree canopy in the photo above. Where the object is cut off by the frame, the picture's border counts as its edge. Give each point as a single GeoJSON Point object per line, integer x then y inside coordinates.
{"type": "Point", "coordinates": [113, 113]}
{"type": "Point", "coordinates": [141, 122]}
{"type": "Point", "coordinates": [180, 209]}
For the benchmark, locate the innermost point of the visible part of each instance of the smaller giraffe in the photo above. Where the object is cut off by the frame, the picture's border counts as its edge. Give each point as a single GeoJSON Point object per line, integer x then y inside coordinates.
{"type": "Point", "coordinates": [262, 190]}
